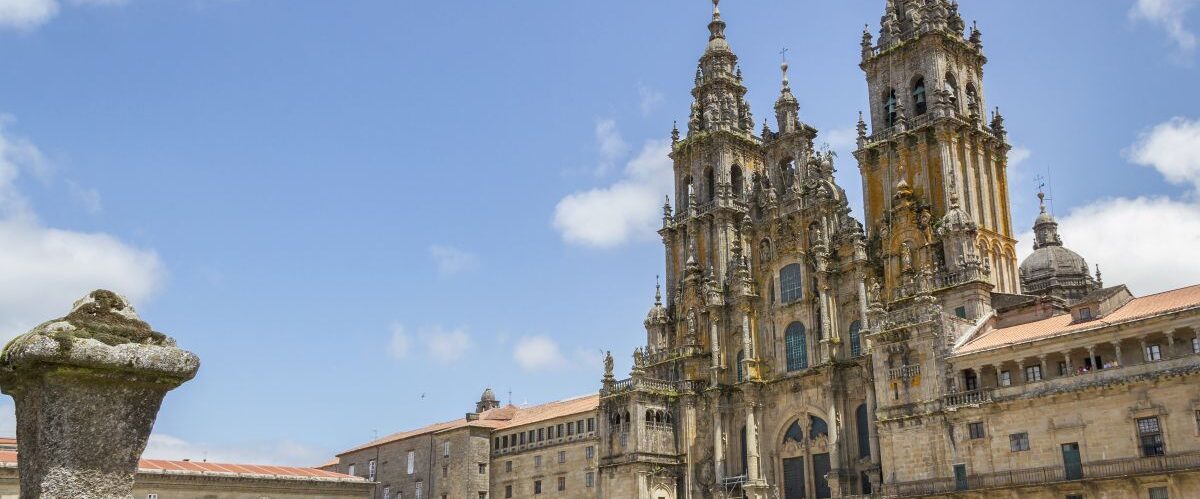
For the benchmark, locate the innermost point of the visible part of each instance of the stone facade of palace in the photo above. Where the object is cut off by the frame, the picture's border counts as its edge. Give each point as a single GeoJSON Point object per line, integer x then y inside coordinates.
{"type": "Point", "coordinates": [796, 352]}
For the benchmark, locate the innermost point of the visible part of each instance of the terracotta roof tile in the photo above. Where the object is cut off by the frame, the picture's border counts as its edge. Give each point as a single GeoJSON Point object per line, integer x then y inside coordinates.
{"type": "Point", "coordinates": [1137, 309]}
{"type": "Point", "coordinates": [501, 417]}
{"type": "Point", "coordinates": [9, 458]}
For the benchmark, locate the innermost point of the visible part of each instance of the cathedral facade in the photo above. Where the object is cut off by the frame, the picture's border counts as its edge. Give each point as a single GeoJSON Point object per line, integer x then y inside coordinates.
{"type": "Point", "coordinates": [795, 352]}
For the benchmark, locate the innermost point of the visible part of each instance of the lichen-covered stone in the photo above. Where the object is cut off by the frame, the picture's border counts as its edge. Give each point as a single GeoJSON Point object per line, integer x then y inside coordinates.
{"type": "Point", "coordinates": [87, 389]}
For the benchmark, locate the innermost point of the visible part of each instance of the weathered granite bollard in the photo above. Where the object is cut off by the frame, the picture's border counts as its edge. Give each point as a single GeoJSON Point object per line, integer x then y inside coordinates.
{"type": "Point", "coordinates": [87, 388]}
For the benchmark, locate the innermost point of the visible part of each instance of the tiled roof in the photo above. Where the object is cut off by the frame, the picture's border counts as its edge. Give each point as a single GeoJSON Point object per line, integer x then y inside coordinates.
{"type": "Point", "coordinates": [156, 466]}
{"type": "Point", "coordinates": [1137, 309]}
{"type": "Point", "coordinates": [554, 410]}
{"type": "Point", "coordinates": [498, 418]}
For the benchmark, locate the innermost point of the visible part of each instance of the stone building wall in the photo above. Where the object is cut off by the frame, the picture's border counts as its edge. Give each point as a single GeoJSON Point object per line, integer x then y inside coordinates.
{"type": "Point", "coordinates": [193, 486]}
{"type": "Point", "coordinates": [524, 471]}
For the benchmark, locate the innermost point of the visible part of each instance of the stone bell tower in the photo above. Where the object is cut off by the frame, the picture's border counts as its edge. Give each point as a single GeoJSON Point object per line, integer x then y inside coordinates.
{"type": "Point", "coordinates": [932, 151]}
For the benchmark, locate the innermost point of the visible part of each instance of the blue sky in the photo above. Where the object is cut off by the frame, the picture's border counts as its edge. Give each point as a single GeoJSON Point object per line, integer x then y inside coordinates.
{"type": "Point", "coordinates": [360, 214]}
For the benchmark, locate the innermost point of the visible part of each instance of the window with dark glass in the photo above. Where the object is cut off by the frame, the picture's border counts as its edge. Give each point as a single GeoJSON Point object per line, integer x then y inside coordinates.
{"type": "Point", "coordinates": [1150, 437]}
{"type": "Point", "coordinates": [1018, 442]}
{"type": "Point", "coordinates": [791, 285]}
{"type": "Point", "coordinates": [537, 486]}
{"type": "Point", "coordinates": [889, 108]}
{"type": "Point", "coordinates": [562, 483]}
{"type": "Point", "coordinates": [1159, 493]}
{"type": "Point", "coordinates": [919, 101]}
{"type": "Point", "coordinates": [797, 347]}
{"type": "Point", "coordinates": [855, 339]}
{"type": "Point", "coordinates": [863, 429]}
{"type": "Point", "coordinates": [975, 430]}
{"type": "Point", "coordinates": [508, 492]}
{"type": "Point", "coordinates": [741, 356]}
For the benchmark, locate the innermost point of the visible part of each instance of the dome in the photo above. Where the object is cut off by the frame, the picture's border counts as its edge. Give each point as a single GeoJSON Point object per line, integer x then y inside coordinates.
{"type": "Point", "coordinates": [488, 396]}
{"type": "Point", "coordinates": [658, 313]}
{"type": "Point", "coordinates": [1054, 261]}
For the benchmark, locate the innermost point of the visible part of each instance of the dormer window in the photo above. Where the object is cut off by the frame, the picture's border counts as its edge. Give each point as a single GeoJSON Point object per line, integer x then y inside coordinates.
{"type": "Point", "coordinates": [889, 107]}
{"type": "Point", "coordinates": [918, 95]}
{"type": "Point", "coordinates": [1085, 314]}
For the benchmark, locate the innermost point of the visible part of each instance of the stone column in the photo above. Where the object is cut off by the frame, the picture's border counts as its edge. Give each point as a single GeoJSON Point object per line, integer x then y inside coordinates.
{"type": "Point", "coordinates": [1170, 353]}
{"type": "Point", "coordinates": [1145, 353]}
{"type": "Point", "coordinates": [718, 443]}
{"type": "Point", "coordinates": [1067, 358]}
{"type": "Point", "coordinates": [1092, 355]}
{"type": "Point", "coordinates": [87, 389]}
{"type": "Point", "coordinates": [1117, 347]}
{"type": "Point", "coordinates": [1042, 366]}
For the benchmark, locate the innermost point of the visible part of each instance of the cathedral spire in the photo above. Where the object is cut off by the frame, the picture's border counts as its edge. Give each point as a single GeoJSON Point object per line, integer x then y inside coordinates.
{"type": "Point", "coordinates": [787, 108]}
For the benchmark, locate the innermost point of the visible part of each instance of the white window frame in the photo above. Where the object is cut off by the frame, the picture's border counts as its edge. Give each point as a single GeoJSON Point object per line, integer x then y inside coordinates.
{"type": "Point", "coordinates": [371, 470]}
{"type": "Point", "coordinates": [1004, 378]}
{"type": "Point", "coordinates": [1196, 344]}
{"type": "Point", "coordinates": [1153, 352]}
{"type": "Point", "coordinates": [417, 494]}
{"type": "Point", "coordinates": [412, 462]}
{"type": "Point", "coordinates": [387, 492]}
{"type": "Point", "coordinates": [350, 469]}
{"type": "Point", "coordinates": [1033, 373]}
{"type": "Point", "coordinates": [446, 449]}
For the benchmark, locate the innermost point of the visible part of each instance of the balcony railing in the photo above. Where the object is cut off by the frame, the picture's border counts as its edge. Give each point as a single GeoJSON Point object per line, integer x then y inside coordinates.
{"type": "Point", "coordinates": [654, 385]}
{"type": "Point", "coordinates": [1113, 468]}
{"type": "Point", "coordinates": [904, 372]}
{"type": "Point", "coordinates": [973, 397]}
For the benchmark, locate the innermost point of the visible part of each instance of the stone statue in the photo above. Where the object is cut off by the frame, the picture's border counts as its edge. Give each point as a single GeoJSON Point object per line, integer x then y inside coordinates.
{"type": "Point", "coordinates": [637, 357]}
{"type": "Point", "coordinates": [905, 257]}
{"type": "Point", "coordinates": [608, 364]}
{"type": "Point", "coordinates": [873, 291]}
{"type": "Point", "coordinates": [691, 323]}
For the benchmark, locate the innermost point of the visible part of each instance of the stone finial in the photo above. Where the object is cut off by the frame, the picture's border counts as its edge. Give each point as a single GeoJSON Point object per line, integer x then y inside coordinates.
{"type": "Point", "coordinates": [87, 389]}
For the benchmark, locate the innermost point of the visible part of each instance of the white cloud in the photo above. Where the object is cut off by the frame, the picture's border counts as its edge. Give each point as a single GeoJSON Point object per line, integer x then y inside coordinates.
{"type": "Point", "coordinates": [1144, 242]}
{"type": "Point", "coordinates": [1018, 156]}
{"type": "Point", "coordinates": [398, 344]}
{"type": "Point", "coordinates": [451, 260]}
{"type": "Point", "coordinates": [26, 14]}
{"type": "Point", "coordinates": [842, 139]}
{"type": "Point", "coordinates": [535, 353]}
{"type": "Point", "coordinates": [1170, 16]}
{"type": "Point", "coordinates": [612, 146]}
{"type": "Point", "coordinates": [631, 207]}
{"type": "Point", "coordinates": [283, 452]}
{"type": "Point", "coordinates": [648, 98]}
{"type": "Point", "coordinates": [44, 270]}
{"type": "Point", "coordinates": [1172, 148]}
{"type": "Point", "coordinates": [446, 345]}
{"type": "Point", "coordinates": [31, 14]}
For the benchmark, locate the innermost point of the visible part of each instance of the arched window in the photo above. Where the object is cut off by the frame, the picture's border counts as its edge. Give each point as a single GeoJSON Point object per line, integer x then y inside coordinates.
{"type": "Point", "coordinates": [889, 107]}
{"type": "Point", "coordinates": [794, 433]}
{"type": "Point", "coordinates": [972, 98]}
{"type": "Point", "coordinates": [864, 433]}
{"type": "Point", "coordinates": [735, 178]}
{"type": "Point", "coordinates": [650, 416]}
{"type": "Point", "coordinates": [855, 339]}
{"type": "Point", "coordinates": [952, 89]}
{"type": "Point", "coordinates": [688, 193]}
{"type": "Point", "coordinates": [797, 347]}
{"type": "Point", "coordinates": [918, 95]}
{"type": "Point", "coordinates": [817, 427]}
{"type": "Point", "coordinates": [741, 356]}
{"type": "Point", "coordinates": [710, 184]}
{"type": "Point", "coordinates": [791, 285]}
